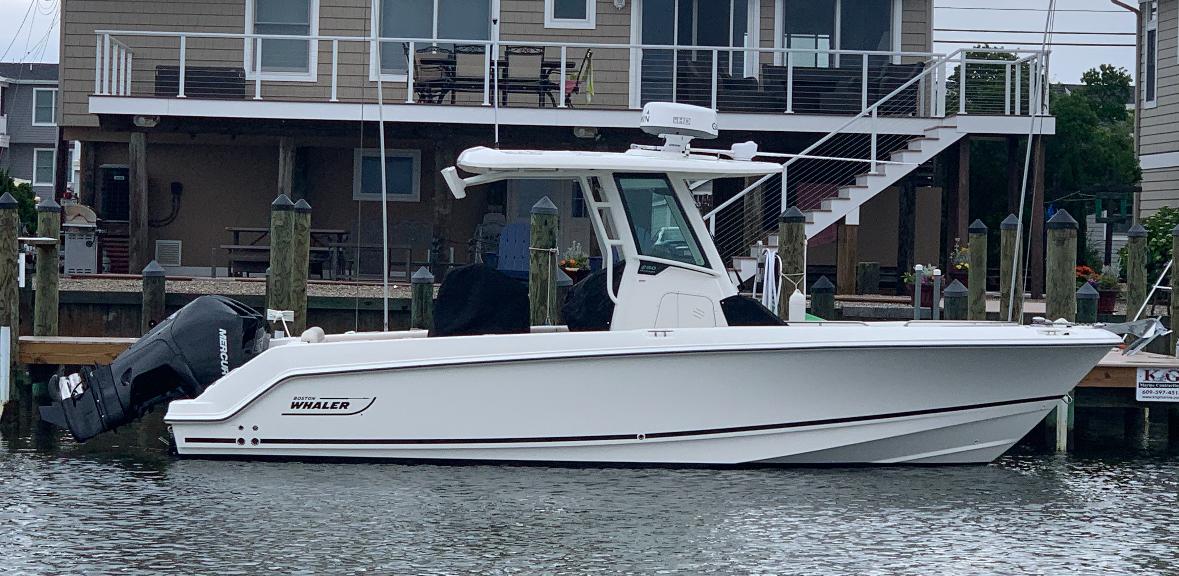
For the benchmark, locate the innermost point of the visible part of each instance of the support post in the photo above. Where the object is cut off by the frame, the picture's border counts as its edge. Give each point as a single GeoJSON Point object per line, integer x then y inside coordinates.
{"type": "Point", "coordinates": [1087, 304]}
{"type": "Point", "coordinates": [421, 304]}
{"type": "Point", "coordinates": [278, 277]}
{"type": "Point", "coordinates": [955, 299]}
{"type": "Point", "coordinates": [300, 264]}
{"type": "Point", "coordinates": [542, 264]}
{"type": "Point", "coordinates": [847, 240]}
{"type": "Point", "coordinates": [1062, 263]}
{"type": "Point", "coordinates": [962, 202]}
{"type": "Point", "coordinates": [137, 174]}
{"type": "Point", "coordinates": [823, 299]}
{"type": "Point", "coordinates": [935, 307]}
{"type": "Point", "coordinates": [906, 229]}
{"type": "Point", "coordinates": [1036, 228]}
{"type": "Point", "coordinates": [868, 278]}
{"type": "Point", "coordinates": [1010, 266]}
{"type": "Point", "coordinates": [1135, 267]}
{"type": "Point", "coordinates": [792, 251]}
{"type": "Point", "coordinates": [9, 295]}
{"type": "Point", "coordinates": [48, 263]}
{"type": "Point", "coordinates": [286, 169]}
{"type": "Point", "coordinates": [977, 273]}
{"type": "Point", "coordinates": [152, 310]}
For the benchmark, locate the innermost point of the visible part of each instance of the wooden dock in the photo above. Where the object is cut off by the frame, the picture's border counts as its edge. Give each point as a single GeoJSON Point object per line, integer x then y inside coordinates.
{"type": "Point", "coordinates": [70, 350]}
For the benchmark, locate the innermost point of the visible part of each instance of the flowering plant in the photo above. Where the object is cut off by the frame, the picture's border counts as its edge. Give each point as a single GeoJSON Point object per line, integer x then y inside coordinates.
{"type": "Point", "coordinates": [575, 258]}
{"type": "Point", "coordinates": [926, 277]}
{"type": "Point", "coordinates": [960, 256]}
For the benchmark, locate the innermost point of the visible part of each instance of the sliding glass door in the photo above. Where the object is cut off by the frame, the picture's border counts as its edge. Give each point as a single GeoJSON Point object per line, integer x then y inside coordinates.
{"type": "Point", "coordinates": [695, 24]}
{"type": "Point", "coordinates": [430, 19]}
{"type": "Point", "coordinates": [837, 25]}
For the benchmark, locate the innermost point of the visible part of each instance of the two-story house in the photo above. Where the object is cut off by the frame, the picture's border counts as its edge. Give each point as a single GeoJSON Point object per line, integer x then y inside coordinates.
{"type": "Point", "coordinates": [28, 123]}
{"type": "Point", "coordinates": [194, 115]}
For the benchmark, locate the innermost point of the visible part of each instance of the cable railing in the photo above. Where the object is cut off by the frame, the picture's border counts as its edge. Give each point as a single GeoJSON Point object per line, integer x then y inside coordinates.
{"type": "Point", "coordinates": [963, 83]}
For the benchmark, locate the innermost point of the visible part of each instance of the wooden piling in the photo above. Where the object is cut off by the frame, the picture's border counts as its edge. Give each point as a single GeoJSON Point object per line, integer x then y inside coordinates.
{"type": "Point", "coordinates": [1135, 268]}
{"type": "Point", "coordinates": [1174, 312]}
{"type": "Point", "coordinates": [846, 244]}
{"type": "Point", "coordinates": [1061, 274]}
{"type": "Point", "coordinates": [45, 304]}
{"type": "Point", "coordinates": [955, 299]}
{"type": "Point", "coordinates": [9, 296]}
{"type": "Point", "coordinates": [977, 273]}
{"type": "Point", "coordinates": [152, 309]}
{"type": "Point", "coordinates": [278, 283]}
{"type": "Point", "coordinates": [300, 264]}
{"type": "Point", "coordinates": [1010, 267]}
{"type": "Point", "coordinates": [137, 249]}
{"type": "Point", "coordinates": [421, 304]}
{"type": "Point", "coordinates": [868, 278]}
{"type": "Point", "coordinates": [792, 251]}
{"type": "Point", "coordinates": [823, 299]}
{"type": "Point", "coordinates": [1086, 304]}
{"type": "Point", "coordinates": [542, 264]}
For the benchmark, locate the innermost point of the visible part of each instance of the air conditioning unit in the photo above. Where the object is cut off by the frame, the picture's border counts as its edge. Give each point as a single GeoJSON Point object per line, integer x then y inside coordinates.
{"type": "Point", "coordinates": [168, 253]}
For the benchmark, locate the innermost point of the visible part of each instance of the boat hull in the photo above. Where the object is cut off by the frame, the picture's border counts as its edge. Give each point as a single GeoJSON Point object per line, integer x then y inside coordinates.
{"type": "Point", "coordinates": [765, 404]}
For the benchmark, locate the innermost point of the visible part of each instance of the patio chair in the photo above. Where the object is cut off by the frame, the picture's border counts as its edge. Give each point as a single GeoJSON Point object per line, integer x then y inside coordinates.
{"type": "Point", "coordinates": [584, 74]}
{"type": "Point", "coordinates": [431, 74]}
{"type": "Point", "coordinates": [524, 73]}
{"type": "Point", "coordinates": [470, 69]}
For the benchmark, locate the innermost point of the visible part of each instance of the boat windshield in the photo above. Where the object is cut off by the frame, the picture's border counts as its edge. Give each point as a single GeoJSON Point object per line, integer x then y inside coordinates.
{"type": "Point", "coordinates": [657, 219]}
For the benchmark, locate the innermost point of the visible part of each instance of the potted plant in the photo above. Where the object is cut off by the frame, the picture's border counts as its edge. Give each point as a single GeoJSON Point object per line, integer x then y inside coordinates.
{"type": "Point", "coordinates": [1107, 293]}
{"type": "Point", "coordinates": [959, 263]}
{"type": "Point", "coordinates": [575, 262]}
{"type": "Point", "coordinates": [910, 279]}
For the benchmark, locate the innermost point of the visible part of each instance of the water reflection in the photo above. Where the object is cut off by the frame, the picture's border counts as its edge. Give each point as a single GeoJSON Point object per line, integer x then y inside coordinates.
{"type": "Point", "coordinates": [126, 505]}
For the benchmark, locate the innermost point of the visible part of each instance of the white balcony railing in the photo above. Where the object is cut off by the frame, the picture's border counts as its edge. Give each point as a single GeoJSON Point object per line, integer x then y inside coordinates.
{"type": "Point", "coordinates": [567, 74]}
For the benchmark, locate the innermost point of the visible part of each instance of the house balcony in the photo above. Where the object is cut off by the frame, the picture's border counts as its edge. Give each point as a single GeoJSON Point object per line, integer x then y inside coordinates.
{"type": "Point", "coordinates": [568, 84]}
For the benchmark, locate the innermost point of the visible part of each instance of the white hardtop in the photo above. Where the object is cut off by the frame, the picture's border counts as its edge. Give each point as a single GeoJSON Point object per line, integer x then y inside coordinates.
{"type": "Point", "coordinates": [483, 160]}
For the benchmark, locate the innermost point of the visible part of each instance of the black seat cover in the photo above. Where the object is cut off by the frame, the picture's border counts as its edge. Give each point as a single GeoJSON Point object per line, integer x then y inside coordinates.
{"type": "Point", "coordinates": [478, 299]}
{"type": "Point", "coordinates": [589, 308]}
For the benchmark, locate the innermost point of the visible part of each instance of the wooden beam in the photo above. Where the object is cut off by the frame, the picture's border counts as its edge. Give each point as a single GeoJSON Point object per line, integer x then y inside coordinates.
{"type": "Point", "coordinates": [69, 350]}
{"type": "Point", "coordinates": [286, 166]}
{"type": "Point", "coordinates": [87, 190]}
{"type": "Point", "coordinates": [906, 229]}
{"type": "Point", "coordinates": [847, 255]}
{"type": "Point", "coordinates": [962, 199]}
{"type": "Point", "coordinates": [1014, 174]}
{"type": "Point", "coordinates": [138, 253]}
{"type": "Point", "coordinates": [1036, 228]}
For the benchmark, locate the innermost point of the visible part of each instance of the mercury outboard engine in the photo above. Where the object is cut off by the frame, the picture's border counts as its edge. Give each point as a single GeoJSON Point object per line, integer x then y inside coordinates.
{"type": "Point", "coordinates": [178, 358]}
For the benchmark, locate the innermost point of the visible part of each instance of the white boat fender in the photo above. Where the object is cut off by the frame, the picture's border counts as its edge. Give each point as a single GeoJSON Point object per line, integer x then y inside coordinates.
{"type": "Point", "coordinates": [313, 335]}
{"type": "Point", "coordinates": [797, 309]}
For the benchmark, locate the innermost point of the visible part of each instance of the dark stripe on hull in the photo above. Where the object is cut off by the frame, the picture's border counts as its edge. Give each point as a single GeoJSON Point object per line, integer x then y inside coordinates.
{"type": "Point", "coordinates": [609, 437]}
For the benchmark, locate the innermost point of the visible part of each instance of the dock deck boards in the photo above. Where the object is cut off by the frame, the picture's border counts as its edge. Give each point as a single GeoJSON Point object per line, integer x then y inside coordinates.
{"type": "Point", "coordinates": [70, 350]}
{"type": "Point", "coordinates": [1118, 371]}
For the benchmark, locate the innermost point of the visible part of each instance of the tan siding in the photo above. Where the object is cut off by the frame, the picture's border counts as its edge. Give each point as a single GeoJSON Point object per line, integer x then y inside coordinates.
{"type": "Point", "coordinates": [917, 25]}
{"type": "Point", "coordinates": [1160, 125]}
{"type": "Point", "coordinates": [1159, 188]}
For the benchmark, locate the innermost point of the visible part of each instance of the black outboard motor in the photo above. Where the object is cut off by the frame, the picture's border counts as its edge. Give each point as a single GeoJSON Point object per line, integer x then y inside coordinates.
{"type": "Point", "coordinates": [179, 358]}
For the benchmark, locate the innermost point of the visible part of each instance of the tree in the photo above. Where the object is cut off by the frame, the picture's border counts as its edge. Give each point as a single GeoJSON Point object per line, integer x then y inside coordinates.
{"type": "Point", "coordinates": [1094, 141]}
{"type": "Point", "coordinates": [25, 199]}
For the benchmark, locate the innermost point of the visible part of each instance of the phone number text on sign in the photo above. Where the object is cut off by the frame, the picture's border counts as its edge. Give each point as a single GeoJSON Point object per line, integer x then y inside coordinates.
{"type": "Point", "coordinates": [1157, 385]}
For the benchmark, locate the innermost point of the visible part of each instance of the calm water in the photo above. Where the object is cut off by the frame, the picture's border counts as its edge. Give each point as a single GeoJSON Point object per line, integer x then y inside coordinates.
{"type": "Point", "coordinates": [124, 506]}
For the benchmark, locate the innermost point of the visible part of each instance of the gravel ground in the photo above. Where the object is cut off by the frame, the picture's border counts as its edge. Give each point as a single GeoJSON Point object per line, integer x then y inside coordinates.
{"type": "Point", "coordinates": [230, 287]}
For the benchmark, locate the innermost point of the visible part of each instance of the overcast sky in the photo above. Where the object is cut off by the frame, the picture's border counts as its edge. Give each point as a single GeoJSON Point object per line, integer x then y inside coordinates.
{"type": "Point", "coordinates": [29, 30]}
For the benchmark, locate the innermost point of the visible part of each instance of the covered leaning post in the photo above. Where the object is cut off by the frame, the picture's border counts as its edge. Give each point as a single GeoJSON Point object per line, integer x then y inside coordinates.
{"type": "Point", "coordinates": [1087, 304]}
{"type": "Point", "coordinates": [977, 274]}
{"type": "Point", "coordinates": [9, 295]}
{"type": "Point", "coordinates": [1010, 267]}
{"type": "Point", "coordinates": [1135, 267]}
{"type": "Point", "coordinates": [823, 299]}
{"type": "Point", "coordinates": [792, 251]}
{"type": "Point", "coordinates": [542, 264]}
{"type": "Point", "coordinates": [1061, 275]}
{"type": "Point", "coordinates": [421, 304]}
{"type": "Point", "coordinates": [48, 262]}
{"type": "Point", "coordinates": [278, 283]}
{"type": "Point", "coordinates": [152, 311]}
{"type": "Point", "coordinates": [300, 263]}
{"type": "Point", "coordinates": [955, 301]}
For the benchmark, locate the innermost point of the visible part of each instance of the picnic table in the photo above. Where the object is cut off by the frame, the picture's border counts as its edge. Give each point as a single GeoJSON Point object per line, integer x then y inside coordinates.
{"type": "Point", "coordinates": [250, 254]}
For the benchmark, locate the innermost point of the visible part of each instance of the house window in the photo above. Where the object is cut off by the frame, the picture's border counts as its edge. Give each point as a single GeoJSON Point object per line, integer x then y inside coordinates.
{"type": "Point", "coordinates": [823, 25]}
{"type": "Point", "coordinates": [44, 106]}
{"type": "Point", "coordinates": [43, 166]}
{"type": "Point", "coordinates": [283, 58]}
{"type": "Point", "coordinates": [1149, 86]}
{"type": "Point", "coordinates": [403, 170]}
{"type": "Point", "coordinates": [427, 21]}
{"type": "Point", "coordinates": [577, 14]}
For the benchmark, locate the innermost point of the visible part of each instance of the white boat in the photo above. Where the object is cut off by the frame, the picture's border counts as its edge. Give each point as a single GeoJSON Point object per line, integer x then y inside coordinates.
{"type": "Point", "coordinates": [670, 382]}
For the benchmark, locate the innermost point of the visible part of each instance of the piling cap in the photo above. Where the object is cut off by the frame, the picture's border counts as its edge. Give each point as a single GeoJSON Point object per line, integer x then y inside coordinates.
{"type": "Point", "coordinates": [977, 227]}
{"type": "Point", "coordinates": [153, 269]}
{"type": "Point", "coordinates": [422, 276]}
{"type": "Point", "coordinates": [955, 289]}
{"type": "Point", "coordinates": [7, 201]}
{"type": "Point", "coordinates": [563, 279]}
{"type": "Point", "coordinates": [1087, 292]}
{"type": "Point", "coordinates": [302, 207]}
{"type": "Point", "coordinates": [1062, 220]}
{"type": "Point", "coordinates": [822, 285]}
{"type": "Point", "coordinates": [282, 203]}
{"type": "Point", "coordinates": [544, 206]}
{"type": "Point", "coordinates": [1009, 223]}
{"type": "Point", "coordinates": [792, 214]}
{"type": "Point", "coordinates": [48, 205]}
{"type": "Point", "coordinates": [1136, 231]}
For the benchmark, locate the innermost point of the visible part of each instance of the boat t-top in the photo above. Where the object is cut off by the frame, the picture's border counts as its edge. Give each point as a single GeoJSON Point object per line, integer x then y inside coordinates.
{"type": "Point", "coordinates": [660, 360]}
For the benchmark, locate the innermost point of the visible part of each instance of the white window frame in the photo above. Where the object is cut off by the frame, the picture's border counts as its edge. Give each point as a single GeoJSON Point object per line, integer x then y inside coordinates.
{"type": "Point", "coordinates": [53, 115]}
{"type": "Point", "coordinates": [780, 30]}
{"type": "Point", "coordinates": [312, 50]}
{"type": "Point", "coordinates": [359, 154]}
{"type": "Point", "coordinates": [1151, 25]}
{"type": "Point", "coordinates": [53, 168]}
{"type": "Point", "coordinates": [374, 52]}
{"type": "Point", "coordinates": [587, 23]}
